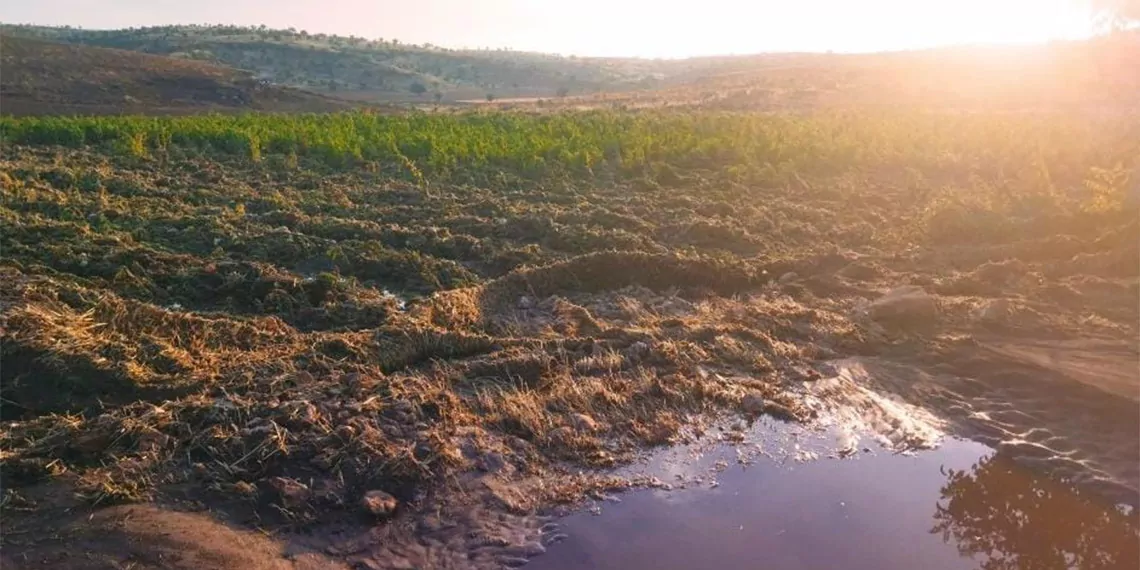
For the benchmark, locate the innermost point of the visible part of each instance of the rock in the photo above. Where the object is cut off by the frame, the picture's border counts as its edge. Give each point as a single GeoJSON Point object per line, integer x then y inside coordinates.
{"type": "Point", "coordinates": [583, 422]}
{"type": "Point", "coordinates": [379, 504]}
{"type": "Point", "coordinates": [290, 492]}
{"type": "Point", "coordinates": [904, 304]}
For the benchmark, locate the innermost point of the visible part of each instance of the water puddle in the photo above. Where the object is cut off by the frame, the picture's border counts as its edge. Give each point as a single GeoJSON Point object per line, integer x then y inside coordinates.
{"type": "Point", "coordinates": [791, 502]}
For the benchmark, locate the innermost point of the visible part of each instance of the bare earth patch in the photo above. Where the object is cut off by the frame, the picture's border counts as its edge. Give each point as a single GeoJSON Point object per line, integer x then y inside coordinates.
{"type": "Point", "coordinates": [176, 366]}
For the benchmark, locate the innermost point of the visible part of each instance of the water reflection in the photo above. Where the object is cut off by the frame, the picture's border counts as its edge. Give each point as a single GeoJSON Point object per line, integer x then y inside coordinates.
{"type": "Point", "coordinates": [1011, 519]}
{"type": "Point", "coordinates": [873, 512]}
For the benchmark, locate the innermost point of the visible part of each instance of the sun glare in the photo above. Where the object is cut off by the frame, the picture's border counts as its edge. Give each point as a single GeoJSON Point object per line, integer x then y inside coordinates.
{"type": "Point", "coordinates": [652, 29]}
{"type": "Point", "coordinates": [645, 28]}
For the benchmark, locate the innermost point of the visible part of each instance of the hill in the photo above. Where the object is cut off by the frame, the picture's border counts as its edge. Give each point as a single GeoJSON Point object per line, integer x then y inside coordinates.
{"type": "Point", "coordinates": [360, 68]}
{"type": "Point", "coordinates": [1098, 75]}
{"type": "Point", "coordinates": [48, 78]}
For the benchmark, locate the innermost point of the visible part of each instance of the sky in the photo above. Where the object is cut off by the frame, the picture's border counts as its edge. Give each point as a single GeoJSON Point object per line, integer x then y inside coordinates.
{"type": "Point", "coordinates": [640, 28]}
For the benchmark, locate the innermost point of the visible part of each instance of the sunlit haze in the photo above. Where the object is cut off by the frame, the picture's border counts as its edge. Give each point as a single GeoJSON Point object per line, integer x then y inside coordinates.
{"type": "Point", "coordinates": [645, 28]}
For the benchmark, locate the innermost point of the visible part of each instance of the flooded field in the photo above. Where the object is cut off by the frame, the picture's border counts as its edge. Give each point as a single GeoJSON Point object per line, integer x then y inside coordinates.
{"type": "Point", "coordinates": [961, 506]}
{"type": "Point", "coordinates": [1047, 480]}
{"type": "Point", "coordinates": [415, 341]}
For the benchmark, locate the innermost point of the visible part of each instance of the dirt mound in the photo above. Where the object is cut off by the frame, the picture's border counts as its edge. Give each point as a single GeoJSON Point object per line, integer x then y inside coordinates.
{"type": "Point", "coordinates": [67, 349]}
{"type": "Point", "coordinates": [591, 273]}
{"type": "Point", "coordinates": [47, 78]}
{"type": "Point", "coordinates": [150, 537]}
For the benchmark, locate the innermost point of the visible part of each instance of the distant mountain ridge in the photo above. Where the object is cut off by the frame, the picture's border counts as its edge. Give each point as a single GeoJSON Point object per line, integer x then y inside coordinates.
{"type": "Point", "coordinates": [260, 68]}
{"type": "Point", "coordinates": [346, 65]}
{"type": "Point", "coordinates": [42, 77]}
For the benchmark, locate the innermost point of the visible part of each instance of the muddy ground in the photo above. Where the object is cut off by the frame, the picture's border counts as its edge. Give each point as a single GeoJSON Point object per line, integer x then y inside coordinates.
{"type": "Point", "coordinates": [213, 364]}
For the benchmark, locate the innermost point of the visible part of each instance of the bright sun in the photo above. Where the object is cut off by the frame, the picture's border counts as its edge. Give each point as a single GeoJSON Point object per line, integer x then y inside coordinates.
{"type": "Point", "coordinates": [1010, 21]}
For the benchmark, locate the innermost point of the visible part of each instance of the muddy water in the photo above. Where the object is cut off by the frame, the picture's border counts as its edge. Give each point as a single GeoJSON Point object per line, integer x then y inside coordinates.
{"type": "Point", "coordinates": [782, 503]}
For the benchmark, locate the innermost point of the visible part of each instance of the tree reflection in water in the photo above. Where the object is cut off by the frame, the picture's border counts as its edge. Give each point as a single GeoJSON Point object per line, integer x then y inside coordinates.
{"type": "Point", "coordinates": [1011, 519]}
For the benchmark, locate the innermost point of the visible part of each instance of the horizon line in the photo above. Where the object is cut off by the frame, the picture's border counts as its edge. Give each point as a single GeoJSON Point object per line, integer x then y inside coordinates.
{"type": "Point", "coordinates": [1093, 35]}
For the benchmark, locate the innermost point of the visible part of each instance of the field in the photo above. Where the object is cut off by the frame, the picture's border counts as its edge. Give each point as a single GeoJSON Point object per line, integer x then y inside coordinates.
{"type": "Point", "coordinates": [265, 318]}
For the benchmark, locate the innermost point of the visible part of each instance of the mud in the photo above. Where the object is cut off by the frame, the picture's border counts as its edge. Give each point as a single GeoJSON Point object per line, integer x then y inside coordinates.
{"type": "Point", "coordinates": [1068, 409]}
{"type": "Point", "coordinates": [149, 537]}
{"type": "Point", "coordinates": [158, 349]}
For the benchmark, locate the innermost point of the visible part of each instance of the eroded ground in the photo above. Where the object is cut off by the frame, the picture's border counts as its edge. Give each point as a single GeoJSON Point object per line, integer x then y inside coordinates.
{"type": "Point", "coordinates": [251, 347]}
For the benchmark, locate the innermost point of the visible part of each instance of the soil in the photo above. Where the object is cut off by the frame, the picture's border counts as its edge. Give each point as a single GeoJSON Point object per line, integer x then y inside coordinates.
{"type": "Point", "coordinates": [147, 536]}
{"type": "Point", "coordinates": [217, 345]}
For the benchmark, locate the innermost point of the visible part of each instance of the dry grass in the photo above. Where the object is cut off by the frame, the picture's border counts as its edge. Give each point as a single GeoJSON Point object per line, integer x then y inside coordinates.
{"type": "Point", "coordinates": [188, 328]}
{"type": "Point", "coordinates": [134, 399]}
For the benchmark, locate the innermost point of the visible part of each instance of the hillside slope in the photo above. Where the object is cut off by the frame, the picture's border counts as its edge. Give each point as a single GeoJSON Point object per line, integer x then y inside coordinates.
{"type": "Point", "coordinates": [356, 65]}
{"type": "Point", "coordinates": [48, 78]}
{"type": "Point", "coordinates": [1101, 74]}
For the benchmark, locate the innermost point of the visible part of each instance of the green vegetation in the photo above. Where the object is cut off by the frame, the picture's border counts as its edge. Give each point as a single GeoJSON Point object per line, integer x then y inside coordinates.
{"type": "Point", "coordinates": [740, 146]}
